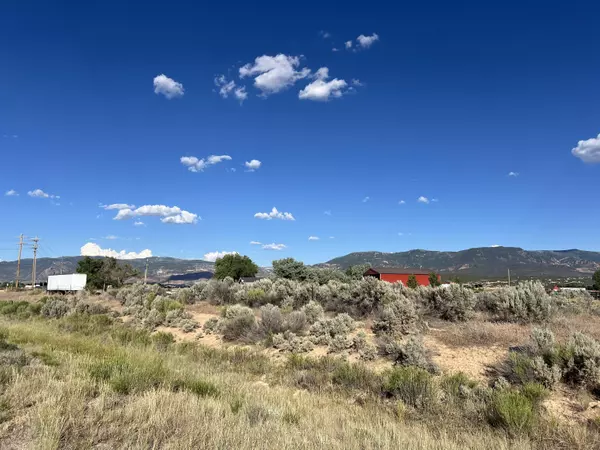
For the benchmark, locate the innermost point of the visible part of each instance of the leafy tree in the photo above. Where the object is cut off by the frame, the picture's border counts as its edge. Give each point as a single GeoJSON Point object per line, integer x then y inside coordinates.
{"type": "Point", "coordinates": [357, 271]}
{"type": "Point", "coordinates": [104, 272]}
{"type": "Point", "coordinates": [412, 282]}
{"type": "Point", "coordinates": [234, 266]}
{"type": "Point", "coordinates": [596, 279]}
{"type": "Point", "coordinates": [290, 269]}
{"type": "Point", "coordinates": [433, 279]}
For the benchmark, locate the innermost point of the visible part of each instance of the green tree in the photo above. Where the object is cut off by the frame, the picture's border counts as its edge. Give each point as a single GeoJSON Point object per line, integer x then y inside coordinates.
{"type": "Point", "coordinates": [234, 266]}
{"type": "Point", "coordinates": [290, 269]}
{"type": "Point", "coordinates": [596, 279]}
{"type": "Point", "coordinates": [433, 279]}
{"type": "Point", "coordinates": [92, 267]}
{"type": "Point", "coordinates": [357, 271]}
{"type": "Point", "coordinates": [412, 282]}
{"type": "Point", "coordinates": [104, 272]}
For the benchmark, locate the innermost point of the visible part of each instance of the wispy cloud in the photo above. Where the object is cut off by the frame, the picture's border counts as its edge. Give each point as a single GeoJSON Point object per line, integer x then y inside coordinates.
{"type": "Point", "coordinates": [513, 174]}
{"type": "Point", "coordinates": [366, 199]}
{"type": "Point", "coordinates": [255, 243]}
{"type": "Point", "coordinates": [313, 238]}
{"type": "Point", "coordinates": [139, 223]}
{"type": "Point", "coordinates": [325, 34]}
{"type": "Point", "coordinates": [198, 165]}
{"type": "Point", "coordinates": [327, 213]}
{"type": "Point", "coordinates": [117, 206]}
{"type": "Point", "coordinates": [111, 237]}
{"type": "Point", "coordinates": [227, 88]}
{"type": "Point", "coordinates": [38, 193]}
{"type": "Point", "coordinates": [11, 193]}
{"type": "Point", "coordinates": [422, 199]}
{"type": "Point", "coordinates": [274, 214]}
{"type": "Point", "coordinates": [274, 246]}
{"type": "Point", "coordinates": [401, 202]}
{"type": "Point", "coordinates": [167, 87]}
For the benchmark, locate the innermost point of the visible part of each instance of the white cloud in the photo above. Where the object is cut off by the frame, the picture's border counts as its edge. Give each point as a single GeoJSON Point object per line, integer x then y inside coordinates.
{"type": "Point", "coordinates": [198, 165]}
{"type": "Point", "coordinates": [226, 88]}
{"type": "Point", "coordinates": [139, 223]}
{"type": "Point", "coordinates": [313, 238]}
{"type": "Point", "coordinates": [167, 86]}
{"type": "Point", "coordinates": [348, 44]}
{"type": "Point", "coordinates": [320, 89]}
{"type": "Point", "coordinates": [168, 214]}
{"type": "Point", "coordinates": [117, 206]}
{"type": "Point", "coordinates": [435, 200]}
{"type": "Point", "coordinates": [252, 165]}
{"type": "Point", "coordinates": [327, 213]}
{"type": "Point", "coordinates": [274, 73]}
{"type": "Point", "coordinates": [274, 214]}
{"type": "Point", "coordinates": [588, 151]}
{"type": "Point", "coordinates": [274, 246]}
{"type": "Point", "coordinates": [255, 243]}
{"type": "Point", "coordinates": [111, 237]}
{"type": "Point", "coordinates": [331, 237]}
{"type": "Point", "coordinates": [356, 82]}
{"type": "Point", "coordinates": [401, 202]}
{"type": "Point", "coordinates": [334, 49]}
{"type": "Point", "coordinates": [495, 245]}
{"type": "Point", "coordinates": [325, 34]}
{"type": "Point", "coordinates": [367, 41]}
{"type": "Point", "coordinates": [213, 256]}
{"type": "Point", "coordinates": [11, 193]}
{"type": "Point", "coordinates": [366, 199]}
{"type": "Point", "coordinates": [513, 174]}
{"type": "Point", "coordinates": [91, 249]}
{"type": "Point", "coordinates": [422, 199]}
{"type": "Point", "coordinates": [38, 193]}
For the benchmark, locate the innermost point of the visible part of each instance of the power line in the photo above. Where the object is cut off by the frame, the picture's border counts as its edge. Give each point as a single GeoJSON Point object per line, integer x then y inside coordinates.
{"type": "Point", "coordinates": [19, 261]}
{"type": "Point", "coordinates": [33, 270]}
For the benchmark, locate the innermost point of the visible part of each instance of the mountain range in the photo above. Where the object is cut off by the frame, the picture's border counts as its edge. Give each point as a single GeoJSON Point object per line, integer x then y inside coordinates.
{"type": "Point", "coordinates": [483, 262]}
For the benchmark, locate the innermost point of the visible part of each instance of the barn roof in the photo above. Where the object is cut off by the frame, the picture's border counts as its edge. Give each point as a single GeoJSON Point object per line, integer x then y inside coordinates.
{"type": "Point", "coordinates": [399, 270]}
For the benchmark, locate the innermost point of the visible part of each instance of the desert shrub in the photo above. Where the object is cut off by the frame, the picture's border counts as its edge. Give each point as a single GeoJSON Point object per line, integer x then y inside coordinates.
{"type": "Point", "coordinates": [396, 318]}
{"type": "Point", "coordinates": [339, 343]}
{"type": "Point", "coordinates": [162, 340]}
{"type": "Point", "coordinates": [54, 308]}
{"type": "Point", "coordinates": [187, 325]}
{"type": "Point", "coordinates": [239, 323]}
{"type": "Point", "coordinates": [271, 320]}
{"type": "Point", "coordinates": [512, 411]}
{"type": "Point", "coordinates": [414, 386]}
{"type": "Point", "coordinates": [288, 341]}
{"type": "Point", "coordinates": [90, 308]}
{"type": "Point", "coordinates": [220, 292]}
{"type": "Point", "coordinates": [313, 311]}
{"type": "Point", "coordinates": [153, 318]}
{"type": "Point", "coordinates": [185, 296]}
{"type": "Point", "coordinates": [454, 302]}
{"type": "Point", "coordinates": [255, 297]}
{"type": "Point", "coordinates": [324, 330]}
{"type": "Point", "coordinates": [535, 392]}
{"type": "Point", "coordinates": [211, 325]}
{"type": "Point", "coordinates": [369, 294]}
{"type": "Point", "coordinates": [457, 386]}
{"type": "Point", "coordinates": [542, 341]}
{"type": "Point", "coordinates": [526, 302]}
{"type": "Point", "coordinates": [407, 352]}
{"type": "Point", "coordinates": [295, 321]}
{"type": "Point", "coordinates": [366, 350]}
{"type": "Point", "coordinates": [582, 360]}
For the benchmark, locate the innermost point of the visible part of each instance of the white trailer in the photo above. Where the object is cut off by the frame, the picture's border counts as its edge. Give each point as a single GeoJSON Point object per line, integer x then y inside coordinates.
{"type": "Point", "coordinates": [72, 282]}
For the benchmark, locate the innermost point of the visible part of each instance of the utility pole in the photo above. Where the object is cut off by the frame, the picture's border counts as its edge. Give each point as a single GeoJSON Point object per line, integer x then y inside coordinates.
{"type": "Point", "coordinates": [33, 269]}
{"type": "Point", "coordinates": [509, 276]}
{"type": "Point", "coordinates": [19, 262]}
{"type": "Point", "coordinates": [146, 272]}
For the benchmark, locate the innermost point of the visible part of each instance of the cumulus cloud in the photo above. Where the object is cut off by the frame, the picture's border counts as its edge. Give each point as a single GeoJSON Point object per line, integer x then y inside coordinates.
{"type": "Point", "coordinates": [227, 88]}
{"type": "Point", "coordinates": [91, 249]}
{"type": "Point", "coordinates": [117, 206]}
{"type": "Point", "coordinates": [495, 245]}
{"type": "Point", "coordinates": [198, 165]}
{"type": "Point", "coordinates": [356, 82]}
{"type": "Point", "coordinates": [322, 90]}
{"type": "Point", "coordinates": [255, 243]}
{"type": "Point", "coordinates": [588, 151]}
{"type": "Point", "coordinates": [348, 44]}
{"type": "Point", "coordinates": [513, 174]}
{"type": "Point", "coordinates": [422, 199]}
{"type": "Point", "coordinates": [11, 193]}
{"type": "Point", "coordinates": [168, 214]}
{"type": "Point", "coordinates": [274, 246]}
{"type": "Point", "coordinates": [313, 238]}
{"type": "Point", "coordinates": [167, 87]}
{"type": "Point", "coordinates": [38, 193]}
{"type": "Point", "coordinates": [252, 165]}
{"type": "Point", "coordinates": [274, 214]}
{"type": "Point", "coordinates": [273, 74]}
{"type": "Point", "coordinates": [213, 256]}
{"type": "Point", "coordinates": [367, 41]}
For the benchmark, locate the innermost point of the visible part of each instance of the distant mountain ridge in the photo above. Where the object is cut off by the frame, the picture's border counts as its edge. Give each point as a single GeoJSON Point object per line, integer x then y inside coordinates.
{"type": "Point", "coordinates": [483, 261]}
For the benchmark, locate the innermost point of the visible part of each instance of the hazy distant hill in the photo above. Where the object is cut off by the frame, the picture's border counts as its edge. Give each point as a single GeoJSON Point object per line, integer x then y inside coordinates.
{"type": "Point", "coordinates": [158, 268]}
{"type": "Point", "coordinates": [484, 261]}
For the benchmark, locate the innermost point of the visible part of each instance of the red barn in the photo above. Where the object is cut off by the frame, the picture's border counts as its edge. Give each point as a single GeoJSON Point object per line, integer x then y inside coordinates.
{"type": "Point", "coordinates": [395, 274]}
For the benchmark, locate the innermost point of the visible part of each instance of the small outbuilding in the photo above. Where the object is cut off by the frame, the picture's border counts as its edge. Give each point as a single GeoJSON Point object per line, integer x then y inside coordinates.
{"type": "Point", "coordinates": [249, 280]}
{"type": "Point", "coordinates": [395, 274]}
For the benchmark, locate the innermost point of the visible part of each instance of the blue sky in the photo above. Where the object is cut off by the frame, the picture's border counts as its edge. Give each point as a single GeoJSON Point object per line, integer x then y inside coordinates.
{"type": "Point", "coordinates": [428, 99]}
